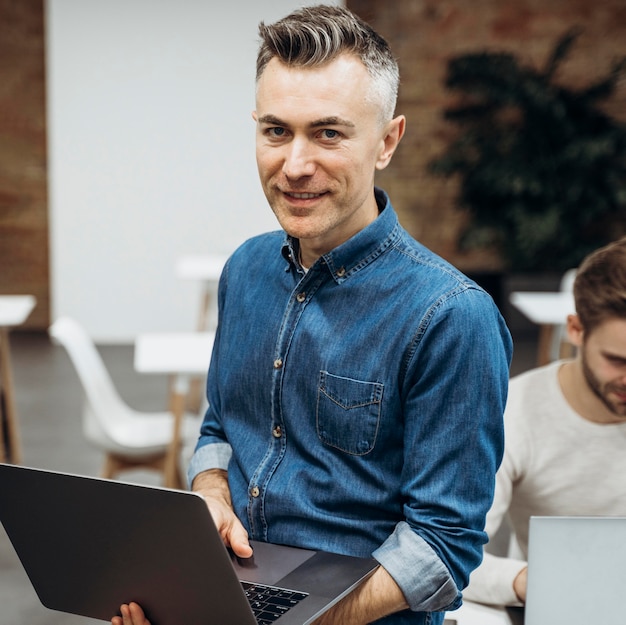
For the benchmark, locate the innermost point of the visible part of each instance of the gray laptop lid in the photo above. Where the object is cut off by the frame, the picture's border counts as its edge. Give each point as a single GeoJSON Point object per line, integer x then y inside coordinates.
{"type": "Point", "coordinates": [88, 545]}
{"type": "Point", "coordinates": [576, 570]}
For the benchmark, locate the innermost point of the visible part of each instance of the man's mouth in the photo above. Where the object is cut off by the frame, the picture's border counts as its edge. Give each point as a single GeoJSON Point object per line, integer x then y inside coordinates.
{"type": "Point", "coordinates": [303, 196]}
{"type": "Point", "coordinates": [619, 394]}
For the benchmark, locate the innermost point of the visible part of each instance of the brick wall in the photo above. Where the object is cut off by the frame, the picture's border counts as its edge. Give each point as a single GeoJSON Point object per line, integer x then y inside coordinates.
{"type": "Point", "coordinates": [423, 34]}
{"type": "Point", "coordinates": [23, 173]}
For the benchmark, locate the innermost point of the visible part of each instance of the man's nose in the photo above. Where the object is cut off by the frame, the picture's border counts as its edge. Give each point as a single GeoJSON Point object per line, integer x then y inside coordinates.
{"type": "Point", "coordinates": [299, 159]}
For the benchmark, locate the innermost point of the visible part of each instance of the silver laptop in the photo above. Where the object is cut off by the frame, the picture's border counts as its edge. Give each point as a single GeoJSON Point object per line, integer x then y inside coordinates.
{"type": "Point", "coordinates": [576, 570]}
{"type": "Point", "coordinates": [88, 545]}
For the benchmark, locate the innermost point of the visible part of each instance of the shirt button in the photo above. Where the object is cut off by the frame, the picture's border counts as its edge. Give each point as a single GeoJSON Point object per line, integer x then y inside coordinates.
{"type": "Point", "coordinates": [341, 272]}
{"type": "Point", "coordinates": [278, 363]}
{"type": "Point", "coordinates": [277, 431]}
{"type": "Point", "coordinates": [254, 491]}
{"type": "Point", "coordinates": [301, 297]}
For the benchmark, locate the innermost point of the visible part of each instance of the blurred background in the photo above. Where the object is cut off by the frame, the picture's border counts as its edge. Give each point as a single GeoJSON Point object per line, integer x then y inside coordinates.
{"type": "Point", "coordinates": [127, 144]}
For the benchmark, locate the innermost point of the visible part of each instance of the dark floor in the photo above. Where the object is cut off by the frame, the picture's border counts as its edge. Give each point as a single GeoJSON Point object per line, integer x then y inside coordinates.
{"type": "Point", "coordinates": [49, 401]}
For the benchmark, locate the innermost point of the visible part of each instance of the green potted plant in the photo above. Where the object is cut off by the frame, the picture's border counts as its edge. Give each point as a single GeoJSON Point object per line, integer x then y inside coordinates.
{"type": "Point", "coordinates": [542, 167]}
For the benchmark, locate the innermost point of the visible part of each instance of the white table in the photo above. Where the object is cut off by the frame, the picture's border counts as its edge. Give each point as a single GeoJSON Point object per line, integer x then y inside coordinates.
{"type": "Point", "coordinates": [206, 269]}
{"type": "Point", "coordinates": [182, 355]}
{"type": "Point", "coordinates": [179, 353]}
{"type": "Point", "coordinates": [544, 307]}
{"type": "Point", "coordinates": [549, 310]}
{"type": "Point", "coordinates": [477, 614]}
{"type": "Point", "coordinates": [14, 310]}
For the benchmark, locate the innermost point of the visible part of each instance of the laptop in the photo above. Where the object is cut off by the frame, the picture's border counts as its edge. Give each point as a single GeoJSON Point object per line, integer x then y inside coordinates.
{"type": "Point", "coordinates": [576, 570]}
{"type": "Point", "coordinates": [89, 544]}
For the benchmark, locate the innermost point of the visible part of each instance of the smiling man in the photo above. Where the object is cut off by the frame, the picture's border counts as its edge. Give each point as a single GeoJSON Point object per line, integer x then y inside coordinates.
{"type": "Point", "coordinates": [565, 428]}
{"type": "Point", "coordinates": [358, 381]}
{"type": "Point", "coordinates": [320, 139]}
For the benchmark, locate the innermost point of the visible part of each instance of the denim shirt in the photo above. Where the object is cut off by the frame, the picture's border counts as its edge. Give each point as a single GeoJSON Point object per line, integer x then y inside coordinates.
{"type": "Point", "coordinates": [358, 406]}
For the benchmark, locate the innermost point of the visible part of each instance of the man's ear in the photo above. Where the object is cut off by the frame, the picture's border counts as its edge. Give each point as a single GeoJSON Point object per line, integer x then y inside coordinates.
{"type": "Point", "coordinates": [393, 133]}
{"type": "Point", "coordinates": [255, 116]}
{"type": "Point", "coordinates": [575, 331]}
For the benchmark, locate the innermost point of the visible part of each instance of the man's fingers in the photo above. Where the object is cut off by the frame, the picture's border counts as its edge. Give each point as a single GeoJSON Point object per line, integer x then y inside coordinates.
{"type": "Point", "coordinates": [233, 533]}
{"type": "Point", "coordinates": [132, 614]}
{"type": "Point", "coordinates": [137, 615]}
{"type": "Point", "coordinates": [239, 542]}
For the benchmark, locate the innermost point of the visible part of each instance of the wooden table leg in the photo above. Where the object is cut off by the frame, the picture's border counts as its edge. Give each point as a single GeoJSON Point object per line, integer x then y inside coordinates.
{"type": "Point", "coordinates": [545, 343]}
{"type": "Point", "coordinates": [195, 395]}
{"type": "Point", "coordinates": [9, 448]}
{"type": "Point", "coordinates": [2, 428]}
{"type": "Point", "coordinates": [178, 398]}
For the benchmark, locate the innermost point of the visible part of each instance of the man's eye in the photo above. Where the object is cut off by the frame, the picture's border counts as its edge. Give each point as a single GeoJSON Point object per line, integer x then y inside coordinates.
{"type": "Point", "coordinates": [329, 133]}
{"type": "Point", "coordinates": [617, 361]}
{"type": "Point", "coordinates": [276, 132]}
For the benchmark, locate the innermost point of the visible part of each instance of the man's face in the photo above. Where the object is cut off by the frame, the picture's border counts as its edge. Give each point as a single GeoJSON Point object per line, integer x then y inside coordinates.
{"type": "Point", "coordinates": [319, 141]}
{"type": "Point", "coordinates": [603, 357]}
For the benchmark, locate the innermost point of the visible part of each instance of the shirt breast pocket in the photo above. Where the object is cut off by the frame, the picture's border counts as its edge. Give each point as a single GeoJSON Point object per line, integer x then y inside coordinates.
{"type": "Point", "coordinates": [348, 413]}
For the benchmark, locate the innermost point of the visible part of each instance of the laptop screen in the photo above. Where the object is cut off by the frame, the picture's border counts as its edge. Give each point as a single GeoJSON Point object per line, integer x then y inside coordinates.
{"type": "Point", "coordinates": [576, 570]}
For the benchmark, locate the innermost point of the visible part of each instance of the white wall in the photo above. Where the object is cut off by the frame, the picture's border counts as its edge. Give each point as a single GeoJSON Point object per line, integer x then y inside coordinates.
{"type": "Point", "coordinates": [151, 153]}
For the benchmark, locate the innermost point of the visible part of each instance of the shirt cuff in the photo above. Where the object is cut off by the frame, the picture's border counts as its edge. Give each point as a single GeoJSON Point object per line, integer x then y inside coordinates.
{"type": "Point", "coordinates": [211, 456]}
{"type": "Point", "coordinates": [421, 575]}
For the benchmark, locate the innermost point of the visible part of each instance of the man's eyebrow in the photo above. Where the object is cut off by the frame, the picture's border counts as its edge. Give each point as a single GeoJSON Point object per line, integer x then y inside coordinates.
{"type": "Point", "coordinates": [324, 121]}
{"type": "Point", "coordinates": [613, 356]}
{"type": "Point", "coordinates": [271, 119]}
{"type": "Point", "coordinates": [332, 121]}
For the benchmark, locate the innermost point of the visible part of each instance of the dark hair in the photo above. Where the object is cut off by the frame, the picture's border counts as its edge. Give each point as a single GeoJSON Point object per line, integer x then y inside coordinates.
{"type": "Point", "coordinates": [600, 285]}
{"type": "Point", "coordinates": [313, 36]}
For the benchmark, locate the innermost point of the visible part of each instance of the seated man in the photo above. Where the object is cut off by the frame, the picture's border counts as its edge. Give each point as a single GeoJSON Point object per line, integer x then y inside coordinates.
{"type": "Point", "coordinates": [565, 426]}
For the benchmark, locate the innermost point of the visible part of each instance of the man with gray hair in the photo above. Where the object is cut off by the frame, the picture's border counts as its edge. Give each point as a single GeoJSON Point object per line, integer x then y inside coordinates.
{"type": "Point", "coordinates": [357, 381]}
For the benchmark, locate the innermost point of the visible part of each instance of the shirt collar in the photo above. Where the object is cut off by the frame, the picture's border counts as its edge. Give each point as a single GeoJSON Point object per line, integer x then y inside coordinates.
{"type": "Point", "coordinates": [359, 250]}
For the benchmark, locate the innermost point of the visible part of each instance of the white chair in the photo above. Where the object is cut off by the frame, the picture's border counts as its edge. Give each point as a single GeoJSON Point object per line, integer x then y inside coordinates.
{"type": "Point", "coordinates": [129, 438]}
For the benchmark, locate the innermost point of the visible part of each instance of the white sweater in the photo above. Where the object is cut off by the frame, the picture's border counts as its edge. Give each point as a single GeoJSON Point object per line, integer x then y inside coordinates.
{"type": "Point", "coordinates": [555, 463]}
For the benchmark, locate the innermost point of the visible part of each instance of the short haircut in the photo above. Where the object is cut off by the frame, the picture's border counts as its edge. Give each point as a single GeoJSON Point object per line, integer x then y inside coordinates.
{"type": "Point", "coordinates": [600, 286]}
{"type": "Point", "coordinates": [314, 36]}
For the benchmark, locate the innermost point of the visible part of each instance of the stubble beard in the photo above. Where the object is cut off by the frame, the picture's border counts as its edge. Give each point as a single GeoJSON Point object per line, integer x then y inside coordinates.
{"type": "Point", "coordinates": [601, 391]}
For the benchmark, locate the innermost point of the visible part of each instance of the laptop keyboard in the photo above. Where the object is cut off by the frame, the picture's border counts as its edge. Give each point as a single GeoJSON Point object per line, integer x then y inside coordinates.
{"type": "Point", "coordinates": [269, 603]}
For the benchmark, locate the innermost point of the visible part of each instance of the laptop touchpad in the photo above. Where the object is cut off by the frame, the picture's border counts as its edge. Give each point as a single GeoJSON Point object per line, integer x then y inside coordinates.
{"type": "Point", "coordinates": [269, 562]}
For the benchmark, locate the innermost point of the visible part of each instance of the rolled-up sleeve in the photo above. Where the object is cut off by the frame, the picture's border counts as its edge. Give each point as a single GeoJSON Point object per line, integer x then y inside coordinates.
{"type": "Point", "coordinates": [405, 556]}
{"type": "Point", "coordinates": [214, 456]}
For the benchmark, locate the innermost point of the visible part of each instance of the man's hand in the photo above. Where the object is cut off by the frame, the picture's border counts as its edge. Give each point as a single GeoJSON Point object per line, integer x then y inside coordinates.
{"type": "Point", "coordinates": [519, 584]}
{"type": "Point", "coordinates": [132, 614]}
{"type": "Point", "coordinates": [213, 486]}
